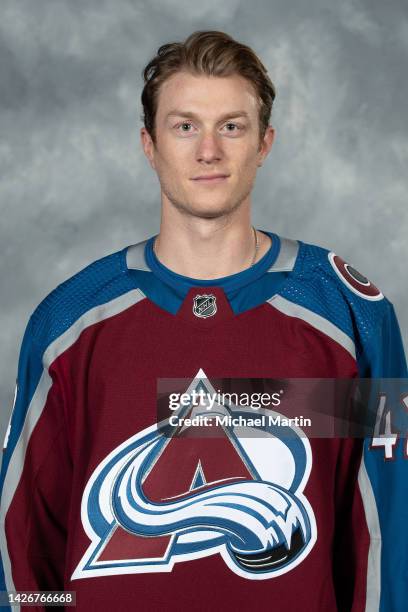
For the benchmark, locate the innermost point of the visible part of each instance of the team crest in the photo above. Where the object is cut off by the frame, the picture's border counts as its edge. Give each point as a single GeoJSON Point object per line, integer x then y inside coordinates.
{"type": "Point", "coordinates": [356, 282]}
{"type": "Point", "coordinates": [157, 500]}
{"type": "Point", "coordinates": [204, 306]}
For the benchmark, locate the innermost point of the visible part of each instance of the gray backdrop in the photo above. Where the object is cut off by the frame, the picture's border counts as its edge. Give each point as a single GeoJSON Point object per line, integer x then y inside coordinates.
{"type": "Point", "coordinates": [75, 184]}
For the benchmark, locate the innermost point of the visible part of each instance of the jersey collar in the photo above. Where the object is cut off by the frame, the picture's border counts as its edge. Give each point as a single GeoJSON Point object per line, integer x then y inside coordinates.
{"type": "Point", "coordinates": [227, 283]}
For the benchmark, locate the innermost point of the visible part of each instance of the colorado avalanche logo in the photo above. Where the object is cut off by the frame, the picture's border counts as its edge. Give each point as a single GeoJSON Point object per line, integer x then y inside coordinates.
{"type": "Point", "coordinates": [356, 282]}
{"type": "Point", "coordinates": [158, 500]}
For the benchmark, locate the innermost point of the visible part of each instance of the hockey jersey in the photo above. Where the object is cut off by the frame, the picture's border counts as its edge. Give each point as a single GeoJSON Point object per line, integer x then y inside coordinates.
{"type": "Point", "coordinates": [97, 499]}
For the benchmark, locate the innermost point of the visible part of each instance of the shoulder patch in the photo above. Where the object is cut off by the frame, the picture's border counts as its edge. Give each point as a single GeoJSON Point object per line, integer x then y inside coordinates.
{"type": "Point", "coordinates": [356, 282]}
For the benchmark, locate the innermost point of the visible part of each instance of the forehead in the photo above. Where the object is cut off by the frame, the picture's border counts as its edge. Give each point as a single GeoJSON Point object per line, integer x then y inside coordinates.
{"type": "Point", "coordinates": [209, 96]}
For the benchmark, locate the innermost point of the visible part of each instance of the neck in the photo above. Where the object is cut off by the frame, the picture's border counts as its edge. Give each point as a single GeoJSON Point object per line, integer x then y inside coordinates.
{"type": "Point", "coordinates": [209, 248]}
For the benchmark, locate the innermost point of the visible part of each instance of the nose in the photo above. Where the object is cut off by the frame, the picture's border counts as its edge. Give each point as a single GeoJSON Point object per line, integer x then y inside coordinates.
{"type": "Point", "coordinates": [209, 149]}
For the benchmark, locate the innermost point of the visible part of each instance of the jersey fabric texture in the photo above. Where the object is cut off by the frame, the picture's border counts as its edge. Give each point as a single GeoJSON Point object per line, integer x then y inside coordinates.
{"type": "Point", "coordinates": [95, 501]}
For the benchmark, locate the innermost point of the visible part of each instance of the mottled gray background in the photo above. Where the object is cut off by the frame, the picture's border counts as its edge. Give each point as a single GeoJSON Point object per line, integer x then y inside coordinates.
{"type": "Point", "coordinates": [75, 184]}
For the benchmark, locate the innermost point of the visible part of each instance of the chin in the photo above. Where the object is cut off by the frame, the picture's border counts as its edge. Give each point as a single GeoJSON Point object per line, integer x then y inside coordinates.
{"type": "Point", "coordinates": [209, 213]}
{"type": "Point", "coordinates": [209, 209]}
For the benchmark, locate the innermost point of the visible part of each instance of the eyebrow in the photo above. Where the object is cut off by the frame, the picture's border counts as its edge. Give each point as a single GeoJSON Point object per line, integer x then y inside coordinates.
{"type": "Point", "coordinates": [180, 113]}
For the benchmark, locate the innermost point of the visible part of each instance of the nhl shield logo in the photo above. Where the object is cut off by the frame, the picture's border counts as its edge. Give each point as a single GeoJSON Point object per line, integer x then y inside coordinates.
{"type": "Point", "coordinates": [204, 306]}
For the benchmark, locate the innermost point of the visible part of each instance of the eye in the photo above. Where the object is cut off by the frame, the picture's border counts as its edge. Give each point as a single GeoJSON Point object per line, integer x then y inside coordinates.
{"type": "Point", "coordinates": [239, 127]}
{"type": "Point", "coordinates": [183, 124]}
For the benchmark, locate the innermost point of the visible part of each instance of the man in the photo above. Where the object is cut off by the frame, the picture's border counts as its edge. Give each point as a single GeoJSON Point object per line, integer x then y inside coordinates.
{"type": "Point", "coordinates": [99, 499]}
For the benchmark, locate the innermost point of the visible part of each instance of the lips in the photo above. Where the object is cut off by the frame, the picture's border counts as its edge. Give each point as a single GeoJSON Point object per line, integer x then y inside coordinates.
{"type": "Point", "coordinates": [209, 178]}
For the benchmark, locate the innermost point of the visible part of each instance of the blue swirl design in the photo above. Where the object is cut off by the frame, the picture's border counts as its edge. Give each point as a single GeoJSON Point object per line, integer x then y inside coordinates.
{"type": "Point", "coordinates": [262, 525]}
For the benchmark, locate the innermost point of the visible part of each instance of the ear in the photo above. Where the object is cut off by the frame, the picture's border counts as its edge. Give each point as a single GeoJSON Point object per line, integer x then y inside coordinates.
{"type": "Point", "coordinates": [266, 144]}
{"type": "Point", "coordinates": [148, 146]}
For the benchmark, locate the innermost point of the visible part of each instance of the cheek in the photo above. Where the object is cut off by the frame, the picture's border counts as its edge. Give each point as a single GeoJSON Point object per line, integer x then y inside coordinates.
{"type": "Point", "coordinates": [247, 167]}
{"type": "Point", "coordinates": [178, 162]}
{"type": "Point", "coordinates": [243, 158]}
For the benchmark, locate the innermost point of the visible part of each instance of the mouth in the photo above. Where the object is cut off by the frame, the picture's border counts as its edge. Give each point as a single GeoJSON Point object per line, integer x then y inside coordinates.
{"type": "Point", "coordinates": [218, 178]}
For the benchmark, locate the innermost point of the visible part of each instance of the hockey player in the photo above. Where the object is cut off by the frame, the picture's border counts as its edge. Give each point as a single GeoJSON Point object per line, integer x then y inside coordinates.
{"type": "Point", "coordinates": [100, 500]}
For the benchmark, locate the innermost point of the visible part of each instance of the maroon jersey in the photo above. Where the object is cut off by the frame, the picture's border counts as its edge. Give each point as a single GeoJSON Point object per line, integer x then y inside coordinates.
{"type": "Point", "coordinates": [99, 498]}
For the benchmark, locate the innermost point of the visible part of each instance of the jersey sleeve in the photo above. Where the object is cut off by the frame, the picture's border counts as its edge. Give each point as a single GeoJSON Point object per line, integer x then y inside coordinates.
{"type": "Point", "coordinates": [35, 476]}
{"type": "Point", "coordinates": [383, 479]}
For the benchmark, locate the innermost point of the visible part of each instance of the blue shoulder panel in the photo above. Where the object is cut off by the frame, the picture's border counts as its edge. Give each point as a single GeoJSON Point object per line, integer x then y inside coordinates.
{"type": "Point", "coordinates": [98, 283]}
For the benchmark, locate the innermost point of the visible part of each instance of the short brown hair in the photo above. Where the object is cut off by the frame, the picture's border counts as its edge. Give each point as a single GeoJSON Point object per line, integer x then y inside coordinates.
{"type": "Point", "coordinates": [212, 53]}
